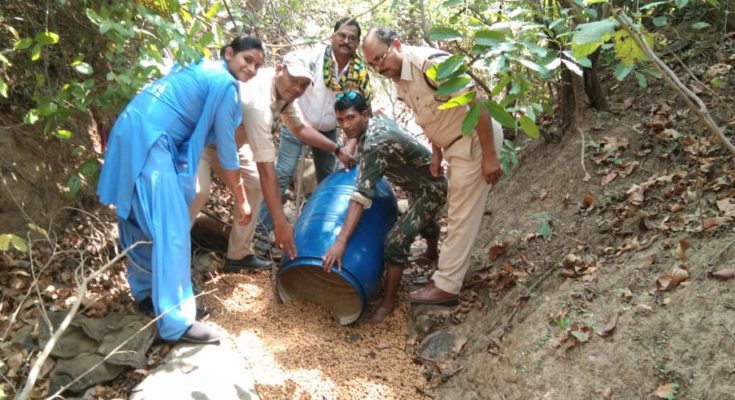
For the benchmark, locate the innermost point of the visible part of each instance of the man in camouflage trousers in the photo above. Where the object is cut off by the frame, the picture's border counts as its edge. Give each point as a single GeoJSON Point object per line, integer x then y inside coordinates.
{"type": "Point", "coordinates": [387, 150]}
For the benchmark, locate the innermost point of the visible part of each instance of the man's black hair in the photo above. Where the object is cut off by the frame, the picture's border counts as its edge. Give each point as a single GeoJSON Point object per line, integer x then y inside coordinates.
{"type": "Point", "coordinates": [383, 34]}
{"type": "Point", "coordinates": [348, 21]}
{"type": "Point", "coordinates": [350, 99]}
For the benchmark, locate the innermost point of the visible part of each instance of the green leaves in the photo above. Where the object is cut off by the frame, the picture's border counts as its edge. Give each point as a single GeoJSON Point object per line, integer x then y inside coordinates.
{"type": "Point", "coordinates": [681, 3]}
{"type": "Point", "coordinates": [82, 67]}
{"type": "Point", "coordinates": [63, 134]}
{"type": "Point", "coordinates": [459, 101]}
{"type": "Point", "coordinates": [23, 44]}
{"type": "Point", "coordinates": [447, 68]}
{"type": "Point", "coordinates": [470, 121]}
{"type": "Point", "coordinates": [3, 88]}
{"type": "Point", "coordinates": [588, 37]}
{"type": "Point", "coordinates": [444, 34]}
{"type": "Point", "coordinates": [529, 127]}
{"type": "Point", "coordinates": [46, 38]}
{"type": "Point", "coordinates": [453, 85]}
{"type": "Point", "coordinates": [626, 50]}
{"type": "Point", "coordinates": [491, 37]}
{"type": "Point", "coordinates": [8, 239]}
{"type": "Point", "coordinates": [499, 114]}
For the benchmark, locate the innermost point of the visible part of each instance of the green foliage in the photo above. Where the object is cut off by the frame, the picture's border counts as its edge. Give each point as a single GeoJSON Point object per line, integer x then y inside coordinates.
{"type": "Point", "coordinates": [136, 41]}
{"type": "Point", "coordinates": [8, 239]}
{"type": "Point", "coordinates": [508, 156]}
{"type": "Point", "coordinates": [519, 51]}
{"type": "Point", "coordinates": [545, 219]}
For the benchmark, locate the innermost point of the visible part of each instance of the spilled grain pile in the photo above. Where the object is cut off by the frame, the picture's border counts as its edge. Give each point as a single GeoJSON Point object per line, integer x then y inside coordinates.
{"type": "Point", "coordinates": [298, 350]}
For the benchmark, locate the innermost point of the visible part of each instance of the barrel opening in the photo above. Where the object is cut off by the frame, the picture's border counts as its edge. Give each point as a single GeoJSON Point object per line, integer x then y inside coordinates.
{"type": "Point", "coordinates": [330, 290]}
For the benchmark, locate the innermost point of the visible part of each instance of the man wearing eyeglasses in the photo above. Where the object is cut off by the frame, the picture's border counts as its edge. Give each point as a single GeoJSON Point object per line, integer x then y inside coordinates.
{"type": "Point", "coordinates": [473, 160]}
{"type": "Point", "coordinates": [387, 150]}
{"type": "Point", "coordinates": [266, 97]}
{"type": "Point", "coordinates": [337, 68]}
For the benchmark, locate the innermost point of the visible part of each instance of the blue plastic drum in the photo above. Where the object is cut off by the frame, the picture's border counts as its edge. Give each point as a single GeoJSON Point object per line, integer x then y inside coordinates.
{"type": "Point", "coordinates": [345, 293]}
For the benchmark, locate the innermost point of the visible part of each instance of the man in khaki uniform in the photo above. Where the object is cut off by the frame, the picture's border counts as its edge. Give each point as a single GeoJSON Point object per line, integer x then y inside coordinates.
{"type": "Point", "coordinates": [263, 99]}
{"type": "Point", "coordinates": [473, 160]}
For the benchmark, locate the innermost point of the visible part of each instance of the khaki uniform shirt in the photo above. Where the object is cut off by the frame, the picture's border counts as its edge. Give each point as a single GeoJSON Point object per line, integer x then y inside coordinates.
{"type": "Point", "coordinates": [260, 111]}
{"type": "Point", "coordinates": [442, 127]}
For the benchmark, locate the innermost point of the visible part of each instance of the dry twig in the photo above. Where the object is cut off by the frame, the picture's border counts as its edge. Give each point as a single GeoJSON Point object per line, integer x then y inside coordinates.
{"type": "Point", "coordinates": [695, 103]}
{"type": "Point", "coordinates": [41, 359]}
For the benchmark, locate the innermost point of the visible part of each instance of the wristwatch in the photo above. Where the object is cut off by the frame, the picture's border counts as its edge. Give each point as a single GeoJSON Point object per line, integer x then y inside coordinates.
{"type": "Point", "coordinates": [336, 151]}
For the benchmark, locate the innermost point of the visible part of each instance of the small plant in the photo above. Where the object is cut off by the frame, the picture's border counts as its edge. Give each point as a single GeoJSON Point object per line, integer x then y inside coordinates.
{"type": "Point", "coordinates": [508, 156]}
{"type": "Point", "coordinates": [545, 220]}
{"type": "Point", "coordinates": [8, 239]}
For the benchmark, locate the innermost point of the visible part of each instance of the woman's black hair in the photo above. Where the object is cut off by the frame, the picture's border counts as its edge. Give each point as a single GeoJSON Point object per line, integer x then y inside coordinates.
{"type": "Point", "coordinates": [350, 99]}
{"type": "Point", "coordinates": [347, 21]}
{"type": "Point", "coordinates": [242, 43]}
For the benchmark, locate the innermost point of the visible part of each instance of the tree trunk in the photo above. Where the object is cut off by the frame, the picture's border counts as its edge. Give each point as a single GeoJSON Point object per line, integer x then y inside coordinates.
{"type": "Point", "coordinates": [572, 101]}
{"type": "Point", "coordinates": [592, 84]}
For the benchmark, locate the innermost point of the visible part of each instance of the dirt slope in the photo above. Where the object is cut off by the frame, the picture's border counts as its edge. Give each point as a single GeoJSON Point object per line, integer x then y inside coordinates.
{"type": "Point", "coordinates": [546, 303]}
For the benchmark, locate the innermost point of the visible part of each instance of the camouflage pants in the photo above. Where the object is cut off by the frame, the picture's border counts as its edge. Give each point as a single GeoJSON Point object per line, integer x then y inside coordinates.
{"type": "Point", "coordinates": [424, 206]}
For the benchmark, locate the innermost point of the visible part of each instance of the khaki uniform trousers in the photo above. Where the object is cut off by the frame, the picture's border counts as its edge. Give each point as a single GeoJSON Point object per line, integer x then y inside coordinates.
{"type": "Point", "coordinates": [465, 207]}
{"type": "Point", "coordinates": [240, 243]}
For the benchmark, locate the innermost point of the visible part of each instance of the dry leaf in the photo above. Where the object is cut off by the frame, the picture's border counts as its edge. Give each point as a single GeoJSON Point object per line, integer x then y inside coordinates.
{"type": "Point", "coordinates": [648, 261]}
{"type": "Point", "coordinates": [727, 206]}
{"type": "Point", "coordinates": [679, 275]}
{"type": "Point", "coordinates": [724, 274]}
{"type": "Point", "coordinates": [607, 393]}
{"type": "Point", "coordinates": [627, 102]}
{"type": "Point", "coordinates": [663, 282]}
{"type": "Point", "coordinates": [627, 294]}
{"type": "Point", "coordinates": [459, 344]}
{"type": "Point", "coordinates": [713, 223]}
{"type": "Point", "coordinates": [635, 195]}
{"type": "Point", "coordinates": [659, 122]}
{"type": "Point", "coordinates": [681, 250]}
{"type": "Point", "coordinates": [587, 201]}
{"type": "Point", "coordinates": [627, 168]}
{"type": "Point", "coordinates": [666, 301]}
{"type": "Point", "coordinates": [676, 207]}
{"type": "Point", "coordinates": [608, 178]}
{"type": "Point", "coordinates": [610, 326]}
{"type": "Point", "coordinates": [496, 250]}
{"type": "Point", "coordinates": [667, 391]}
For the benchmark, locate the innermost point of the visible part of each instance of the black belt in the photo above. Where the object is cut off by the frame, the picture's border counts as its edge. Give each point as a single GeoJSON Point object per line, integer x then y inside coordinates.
{"type": "Point", "coordinates": [455, 141]}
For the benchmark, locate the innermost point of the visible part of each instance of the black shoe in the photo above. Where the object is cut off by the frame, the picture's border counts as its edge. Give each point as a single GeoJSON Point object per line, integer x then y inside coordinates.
{"type": "Point", "coordinates": [249, 263]}
{"type": "Point", "coordinates": [200, 333]}
{"type": "Point", "coordinates": [145, 306]}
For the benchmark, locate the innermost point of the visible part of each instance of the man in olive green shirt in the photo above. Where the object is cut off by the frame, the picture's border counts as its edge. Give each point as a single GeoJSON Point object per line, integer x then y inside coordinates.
{"type": "Point", "coordinates": [387, 150]}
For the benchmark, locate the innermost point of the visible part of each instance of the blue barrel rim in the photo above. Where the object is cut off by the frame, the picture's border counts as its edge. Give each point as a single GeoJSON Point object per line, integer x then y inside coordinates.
{"type": "Point", "coordinates": [316, 262]}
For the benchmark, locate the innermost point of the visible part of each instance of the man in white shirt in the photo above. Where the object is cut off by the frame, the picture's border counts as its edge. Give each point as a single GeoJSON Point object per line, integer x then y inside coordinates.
{"type": "Point", "coordinates": [337, 68]}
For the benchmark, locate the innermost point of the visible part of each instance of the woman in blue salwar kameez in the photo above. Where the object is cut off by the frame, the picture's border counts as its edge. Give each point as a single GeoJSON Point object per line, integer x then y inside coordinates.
{"type": "Point", "coordinates": [149, 175]}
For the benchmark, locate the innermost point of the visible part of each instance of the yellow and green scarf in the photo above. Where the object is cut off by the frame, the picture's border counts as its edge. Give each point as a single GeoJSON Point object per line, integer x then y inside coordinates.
{"type": "Point", "coordinates": [355, 78]}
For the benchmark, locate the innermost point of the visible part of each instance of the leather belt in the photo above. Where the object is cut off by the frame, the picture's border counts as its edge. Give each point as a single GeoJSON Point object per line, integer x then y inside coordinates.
{"type": "Point", "coordinates": [454, 141]}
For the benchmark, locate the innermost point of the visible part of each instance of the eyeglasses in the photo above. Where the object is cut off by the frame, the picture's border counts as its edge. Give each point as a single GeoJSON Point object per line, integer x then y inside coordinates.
{"type": "Point", "coordinates": [348, 37]}
{"type": "Point", "coordinates": [351, 95]}
{"type": "Point", "coordinates": [379, 60]}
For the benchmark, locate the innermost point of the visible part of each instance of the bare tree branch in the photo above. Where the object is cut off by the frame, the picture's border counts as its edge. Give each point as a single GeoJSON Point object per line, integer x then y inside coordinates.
{"type": "Point", "coordinates": [695, 103]}
{"type": "Point", "coordinates": [41, 359]}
